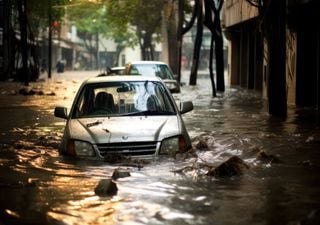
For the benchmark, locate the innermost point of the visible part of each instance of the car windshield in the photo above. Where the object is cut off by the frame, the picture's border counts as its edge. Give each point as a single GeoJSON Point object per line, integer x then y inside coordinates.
{"type": "Point", "coordinates": [134, 98]}
{"type": "Point", "coordinates": [159, 70]}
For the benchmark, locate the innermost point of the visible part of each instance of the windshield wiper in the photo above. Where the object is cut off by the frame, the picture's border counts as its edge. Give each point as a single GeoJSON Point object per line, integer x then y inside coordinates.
{"type": "Point", "coordinates": [151, 113]}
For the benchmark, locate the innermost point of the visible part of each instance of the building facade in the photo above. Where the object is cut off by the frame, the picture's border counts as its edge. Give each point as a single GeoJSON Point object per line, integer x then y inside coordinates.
{"type": "Point", "coordinates": [248, 56]}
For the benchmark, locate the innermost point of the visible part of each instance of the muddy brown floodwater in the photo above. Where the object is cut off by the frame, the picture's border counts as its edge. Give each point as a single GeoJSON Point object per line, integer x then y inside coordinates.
{"type": "Point", "coordinates": [37, 186]}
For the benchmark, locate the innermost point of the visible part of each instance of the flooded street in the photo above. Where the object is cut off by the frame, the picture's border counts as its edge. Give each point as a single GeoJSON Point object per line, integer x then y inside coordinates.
{"type": "Point", "coordinates": [37, 186]}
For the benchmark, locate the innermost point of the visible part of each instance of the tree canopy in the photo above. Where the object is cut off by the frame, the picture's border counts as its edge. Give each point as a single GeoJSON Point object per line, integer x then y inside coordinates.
{"type": "Point", "coordinates": [137, 18]}
{"type": "Point", "coordinates": [38, 10]}
{"type": "Point", "coordinates": [128, 23]}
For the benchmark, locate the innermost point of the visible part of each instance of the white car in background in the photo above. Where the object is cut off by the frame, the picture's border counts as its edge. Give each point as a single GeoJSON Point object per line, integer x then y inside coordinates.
{"type": "Point", "coordinates": [127, 115]}
{"type": "Point", "coordinates": [153, 69]}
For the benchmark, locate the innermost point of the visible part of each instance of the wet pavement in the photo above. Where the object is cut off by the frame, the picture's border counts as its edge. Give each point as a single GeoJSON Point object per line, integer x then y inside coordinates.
{"type": "Point", "coordinates": [37, 186]}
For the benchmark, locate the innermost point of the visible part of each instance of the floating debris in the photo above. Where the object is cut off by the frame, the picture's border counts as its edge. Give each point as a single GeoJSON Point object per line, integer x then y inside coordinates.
{"type": "Point", "coordinates": [114, 158]}
{"type": "Point", "coordinates": [202, 145]}
{"type": "Point", "coordinates": [33, 91]}
{"type": "Point", "coordinates": [267, 158]}
{"type": "Point", "coordinates": [234, 166]}
{"type": "Point", "coordinates": [106, 187]}
{"type": "Point", "coordinates": [120, 173]}
{"type": "Point", "coordinates": [24, 145]}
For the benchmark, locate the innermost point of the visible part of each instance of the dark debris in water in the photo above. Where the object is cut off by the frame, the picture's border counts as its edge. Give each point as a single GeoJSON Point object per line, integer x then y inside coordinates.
{"type": "Point", "coordinates": [234, 166]}
{"type": "Point", "coordinates": [267, 158]}
{"type": "Point", "coordinates": [27, 145]}
{"type": "Point", "coordinates": [123, 160]}
{"type": "Point", "coordinates": [202, 145]}
{"type": "Point", "coordinates": [120, 173]}
{"type": "Point", "coordinates": [34, 91]}
{"type": "Point", "coordinates": [106, 187]}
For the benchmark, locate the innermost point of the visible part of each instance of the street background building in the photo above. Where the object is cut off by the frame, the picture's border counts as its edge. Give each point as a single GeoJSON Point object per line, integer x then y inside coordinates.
{"type": "Point", "coordinates": [248, 57]}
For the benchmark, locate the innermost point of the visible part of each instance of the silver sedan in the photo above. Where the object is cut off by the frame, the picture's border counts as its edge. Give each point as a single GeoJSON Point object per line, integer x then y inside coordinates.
{"type": "Point", "coordinates": [127, 115]}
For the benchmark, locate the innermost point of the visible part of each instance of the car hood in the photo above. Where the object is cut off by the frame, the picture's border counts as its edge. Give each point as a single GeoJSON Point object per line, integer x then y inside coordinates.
{"type": "Point", "coordinates": [124, 129]}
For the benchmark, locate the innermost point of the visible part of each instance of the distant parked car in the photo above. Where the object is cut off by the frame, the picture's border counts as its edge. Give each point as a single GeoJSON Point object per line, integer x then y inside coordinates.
{"type": "Point", "coordinates": [156, 69]}
{"type": "Point", "coordinates": [117, 70]}
{"type": "Point", "coordinates": [127, 115]}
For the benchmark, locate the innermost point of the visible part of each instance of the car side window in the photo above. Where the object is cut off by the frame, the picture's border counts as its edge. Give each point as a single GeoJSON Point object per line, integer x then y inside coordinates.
{"type": "Point", "coordinates": [164, 100]}
{"type": "Point", "coordinates": [134, 71]}
{"type": "Point", "coordinates": [165, 72]}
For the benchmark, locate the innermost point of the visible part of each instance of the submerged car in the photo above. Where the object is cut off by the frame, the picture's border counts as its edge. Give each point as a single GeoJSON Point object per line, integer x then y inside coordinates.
{"type": "Point", "coordinates": [127, 115]}
{"type": "Point", "coordinates": [153, 69]}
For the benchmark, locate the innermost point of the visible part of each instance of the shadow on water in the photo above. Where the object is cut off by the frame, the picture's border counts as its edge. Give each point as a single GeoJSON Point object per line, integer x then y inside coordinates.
{"type": "Point", "coordinates": [37, 186]}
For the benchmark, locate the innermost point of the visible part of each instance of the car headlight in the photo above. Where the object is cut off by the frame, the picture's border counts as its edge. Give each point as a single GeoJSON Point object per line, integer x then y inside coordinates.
{"type": "Point", "coordinates": [80, 148]}
{"type": "Point", "coordinates": [171, 146]}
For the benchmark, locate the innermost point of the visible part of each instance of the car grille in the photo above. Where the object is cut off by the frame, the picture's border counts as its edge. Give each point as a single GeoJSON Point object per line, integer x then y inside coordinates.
{"type": "Point", "coordinates": [128, 148]}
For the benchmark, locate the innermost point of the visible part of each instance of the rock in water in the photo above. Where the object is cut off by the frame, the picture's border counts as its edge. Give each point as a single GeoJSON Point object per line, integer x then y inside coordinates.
{"type": "Point", "coordinates": [234, 166]}
{"type": "Point", "coordinates": [120, 173]}
{"type": "Point", "coordinates": [106, 187]}
{"type": "Point", "coordinates": [266, 158]}
{"type": "Point", "coordinates": [202, 145]}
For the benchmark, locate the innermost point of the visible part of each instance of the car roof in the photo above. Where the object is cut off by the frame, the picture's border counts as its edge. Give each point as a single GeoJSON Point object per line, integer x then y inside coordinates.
{"type": "Point", "coordinates": [147, 62]}
{"type": "Point", "coordinates": [117, 68]}
{"type": "Point", "coordinates": [103, 79]}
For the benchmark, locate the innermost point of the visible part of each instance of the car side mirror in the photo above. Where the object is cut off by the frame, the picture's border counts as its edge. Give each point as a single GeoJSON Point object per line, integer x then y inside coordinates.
{"type": "Point", "coordinates": [175, 90]}
{"type": "Point", "coordinates": [61, 112]}
{"type": "Point", "coordinates": [186, 107]}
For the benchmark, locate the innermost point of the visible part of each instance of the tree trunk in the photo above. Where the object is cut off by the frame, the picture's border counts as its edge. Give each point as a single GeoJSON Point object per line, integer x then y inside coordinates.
{"type": "Point", "coordinates": [24, 39]}
{"type": "Point", "coordinates": [8, 51]}
{"type": "Point", "coordinates": [276, 37]}
{"type": "Point", "coordinates": [49, 39]}
{"type": "Point", "coordinates": [217, 34]}
{"type": "Point", "coordinates": [97, 51]}
{"type": "Point", "coordinates": [147, 47]}
{"type": "Point", "coordinates": [151, 57]}
{"type": "Point", "coordinates": [197, 45]}
{"type": "Point", "coordinates": [170, 17]}
{"type": "Point", "coordinates": [182, 30]}
{"type": "Point", "coordinates": [145, 42]}
{"type": "Point", "coordinates": [208, 22]}
{"type": "Point", "coordinates": [179, 38]}
{"type": "Point", "coordinates": [219, 55]}
{"type": "Point", "coordinates": [213, 85]}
